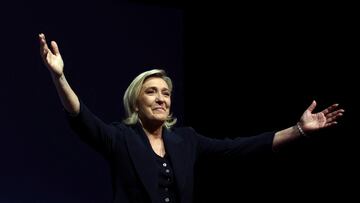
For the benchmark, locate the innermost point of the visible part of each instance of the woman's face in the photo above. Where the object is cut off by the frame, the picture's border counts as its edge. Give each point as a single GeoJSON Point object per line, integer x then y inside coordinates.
{"type": "Point", "coordinates": [154, 100]}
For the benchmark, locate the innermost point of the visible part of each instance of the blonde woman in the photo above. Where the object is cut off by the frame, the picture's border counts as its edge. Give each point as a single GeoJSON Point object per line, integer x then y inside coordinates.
{"type": "Point", "coordinates": [152, 161]}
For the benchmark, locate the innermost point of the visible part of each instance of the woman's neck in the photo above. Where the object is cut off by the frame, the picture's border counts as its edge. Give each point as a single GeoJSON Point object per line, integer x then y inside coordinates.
{"type": "Point", "coordinates": [154, 135]}
{"type": "Point", "coordinates": [151, 130]}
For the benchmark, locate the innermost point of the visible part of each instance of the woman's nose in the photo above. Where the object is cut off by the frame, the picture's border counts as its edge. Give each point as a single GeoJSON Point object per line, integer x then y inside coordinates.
{"type": "Point", "coordinates": [159, 98]}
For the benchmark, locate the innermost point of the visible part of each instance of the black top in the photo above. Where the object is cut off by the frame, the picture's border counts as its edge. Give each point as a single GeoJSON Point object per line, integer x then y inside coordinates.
{"type": "Point", "coordinates": [135, 171]}
{"type": "Point", "coordinates": [167, 188]}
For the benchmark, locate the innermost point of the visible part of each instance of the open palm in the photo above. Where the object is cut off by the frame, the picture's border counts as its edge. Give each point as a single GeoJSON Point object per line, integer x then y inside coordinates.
{"type": "Point", "coordinates": [51, 57]}
{"type": "Point", "coordinates": [313, 121]}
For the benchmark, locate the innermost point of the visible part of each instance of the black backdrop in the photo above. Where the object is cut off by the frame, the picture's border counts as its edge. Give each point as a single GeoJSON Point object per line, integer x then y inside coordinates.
{"type": "Point", "coordinates": [238, 69]}
{"type": "Point", "coordinates": [257, 67]}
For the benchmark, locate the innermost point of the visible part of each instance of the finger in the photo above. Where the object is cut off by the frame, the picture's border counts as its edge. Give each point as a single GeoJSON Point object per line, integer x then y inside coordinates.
{"type": "Point", "coordinates": [312, 106]}
{"type": "Point", "coordinates": [335, 112]}
{"type": "Point", "coordinates": [339, 111]}
{"type": "Point", "coordinates": [55, 48]}
{"type": "Point", "coordinates": [330, 124]}
{"type": "Point", "coordinates": [334, 118]}
{"type": "Point", "coordinates": [44, 49]}
{"type": "Point", "coordinates": [42, 40]}
{"type": "Point", "coordinates": [329, 109]}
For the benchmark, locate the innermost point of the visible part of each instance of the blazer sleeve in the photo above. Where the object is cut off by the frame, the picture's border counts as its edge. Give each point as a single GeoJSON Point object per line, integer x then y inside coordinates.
{"type": "Point", "coordinates": [238, 147]}
{"type": "Point", "coordinates": [94, 131]}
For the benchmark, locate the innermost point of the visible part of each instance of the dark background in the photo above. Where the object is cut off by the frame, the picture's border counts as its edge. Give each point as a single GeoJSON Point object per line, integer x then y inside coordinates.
{"type": "Point", "coordinates": [239, 70]}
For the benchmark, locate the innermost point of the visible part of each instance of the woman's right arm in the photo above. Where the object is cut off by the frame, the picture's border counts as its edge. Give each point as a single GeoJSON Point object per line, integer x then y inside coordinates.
{"type": "Point", "coordinates": [53, 61]}
{"type": "Point", "coordinates": [87, 126]}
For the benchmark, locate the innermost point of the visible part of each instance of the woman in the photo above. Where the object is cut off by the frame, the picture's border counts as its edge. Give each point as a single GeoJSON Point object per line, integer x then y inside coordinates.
{"type": "Point", "coordinates": [150, 160]}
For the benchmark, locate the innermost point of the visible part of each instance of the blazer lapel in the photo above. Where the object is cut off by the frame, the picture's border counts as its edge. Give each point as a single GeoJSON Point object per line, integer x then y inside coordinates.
{"type": "Point", "coordinates": [144, 163]}
{"type": "Point", "coordinates": [175, 147]}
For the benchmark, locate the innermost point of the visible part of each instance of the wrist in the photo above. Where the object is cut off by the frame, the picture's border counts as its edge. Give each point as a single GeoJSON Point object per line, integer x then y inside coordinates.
{"type": "Point", "coordinates": [57, 76]}
{"type": "Point", "coordinates": [300, 129]}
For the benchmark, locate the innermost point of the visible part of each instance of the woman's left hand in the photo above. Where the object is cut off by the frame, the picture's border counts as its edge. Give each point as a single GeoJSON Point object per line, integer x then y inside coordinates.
{"type": "Point", "coordinates": [314, 121]}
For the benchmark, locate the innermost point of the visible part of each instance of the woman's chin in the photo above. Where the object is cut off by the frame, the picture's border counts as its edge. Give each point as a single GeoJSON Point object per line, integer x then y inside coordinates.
{"type": "Point", "coordinates": [159, 119]}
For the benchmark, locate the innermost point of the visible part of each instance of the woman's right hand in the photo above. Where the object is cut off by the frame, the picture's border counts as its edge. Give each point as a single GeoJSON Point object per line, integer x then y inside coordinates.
{"type": "Point", "coordinates": [51, 57]}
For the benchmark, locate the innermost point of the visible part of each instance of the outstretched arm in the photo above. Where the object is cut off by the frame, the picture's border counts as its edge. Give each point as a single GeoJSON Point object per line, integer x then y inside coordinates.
{"type": "Point", "coordinates": [309, 122]}
{"type": "Point", "coordinates": [53, 61]}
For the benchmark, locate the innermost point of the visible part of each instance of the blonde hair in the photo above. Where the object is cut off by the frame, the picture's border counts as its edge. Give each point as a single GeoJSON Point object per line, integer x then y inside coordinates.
{"type": "Point", "coordinates": [132, 93]}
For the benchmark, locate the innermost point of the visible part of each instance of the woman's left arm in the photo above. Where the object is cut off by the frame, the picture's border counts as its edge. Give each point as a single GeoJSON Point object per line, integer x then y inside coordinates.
{"type": "Point", "coordinates": [308, 123]}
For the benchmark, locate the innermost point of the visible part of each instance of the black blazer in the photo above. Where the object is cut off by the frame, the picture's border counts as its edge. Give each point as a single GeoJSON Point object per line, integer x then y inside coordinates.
{"type": "Point", "coordinates": [133, 167]}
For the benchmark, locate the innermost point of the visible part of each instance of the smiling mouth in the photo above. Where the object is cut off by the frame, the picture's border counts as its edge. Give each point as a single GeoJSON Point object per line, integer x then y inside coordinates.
{"type": "Point", "coordinates": [159, 109]}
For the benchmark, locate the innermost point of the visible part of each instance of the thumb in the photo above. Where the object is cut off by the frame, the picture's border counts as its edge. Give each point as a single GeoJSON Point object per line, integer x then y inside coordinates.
{"type": "Point", "coordinates": [312, 106]}
{"type": "Point", "coordinates": [55, 48]}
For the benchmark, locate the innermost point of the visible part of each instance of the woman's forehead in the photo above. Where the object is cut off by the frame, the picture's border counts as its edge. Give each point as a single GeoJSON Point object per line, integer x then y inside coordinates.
{"type": "Point", "coordinates": [155, 82]}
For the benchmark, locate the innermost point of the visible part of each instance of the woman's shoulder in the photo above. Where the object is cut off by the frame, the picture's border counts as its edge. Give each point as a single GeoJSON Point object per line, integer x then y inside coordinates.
{"type": "Point", "coordinates": [122, 126]}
